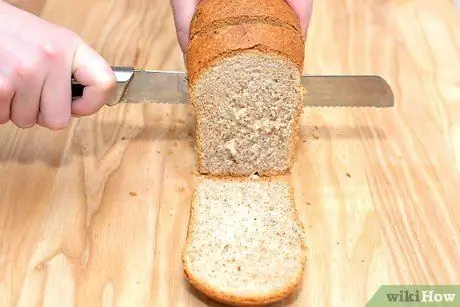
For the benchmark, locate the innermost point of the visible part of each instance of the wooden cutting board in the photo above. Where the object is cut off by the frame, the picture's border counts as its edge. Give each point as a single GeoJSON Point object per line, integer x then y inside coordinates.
{"type": "Point", "coordinates": [96, 215]}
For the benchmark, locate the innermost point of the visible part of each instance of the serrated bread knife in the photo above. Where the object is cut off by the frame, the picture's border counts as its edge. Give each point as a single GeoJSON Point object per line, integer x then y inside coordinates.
{"type": "Point", "coordinates": [154, 86]}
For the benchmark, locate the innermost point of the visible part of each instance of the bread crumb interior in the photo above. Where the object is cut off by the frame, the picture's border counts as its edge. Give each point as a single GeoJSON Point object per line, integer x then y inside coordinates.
{"type": "Point", "coordinates": [247, 105]}
{"type": "Point", "coordinates": [245, 238]}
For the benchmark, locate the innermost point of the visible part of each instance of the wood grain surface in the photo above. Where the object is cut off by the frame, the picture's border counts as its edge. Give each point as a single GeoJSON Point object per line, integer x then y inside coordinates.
{"type": "Point", "coordinates": [96, 215]}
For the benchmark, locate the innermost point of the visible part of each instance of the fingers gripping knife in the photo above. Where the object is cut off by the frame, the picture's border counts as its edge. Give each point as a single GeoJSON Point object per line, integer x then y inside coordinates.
{"type": "Point", "coordinates": [153, 86]}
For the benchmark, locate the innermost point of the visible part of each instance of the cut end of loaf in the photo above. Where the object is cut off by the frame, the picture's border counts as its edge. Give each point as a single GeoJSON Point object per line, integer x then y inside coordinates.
{"type": "Point", "coordinates": [245, 244]}
{"type": "Point", "coordinates": [247, 105]}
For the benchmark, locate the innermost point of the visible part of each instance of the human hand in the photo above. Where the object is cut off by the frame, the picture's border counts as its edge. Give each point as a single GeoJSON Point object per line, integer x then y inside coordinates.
{"type": "Point", "coordinates": [303, 9]}
{"type": "Point", "coordinates": [37, 61]}
{"type": "Point", "coordinates": [183, 11]}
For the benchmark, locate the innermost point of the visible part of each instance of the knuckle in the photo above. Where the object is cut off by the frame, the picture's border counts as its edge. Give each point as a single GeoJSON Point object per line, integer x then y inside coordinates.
{"type": "Point", "coordinates": [54, 121]}
{"type": "Point", "coordinates": [50, 52]}
{"type": "Point", "coordinates": [4, 113]}
{"type": "Point", "coordinates": [31, 67]}
{"type": "Point", "coordinates": [6, 90]}
{"type": "Point", "coordinates": [57, 124]}
{"type": "Point", "coordinates": [24, 124]}
{"type": "Point", "coordinates": [27, 70]}
{"type": "Point", "coordinates": [22, 120]}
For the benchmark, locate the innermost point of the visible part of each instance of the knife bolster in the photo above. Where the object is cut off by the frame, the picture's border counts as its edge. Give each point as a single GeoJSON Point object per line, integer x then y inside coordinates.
{"type": "Point", "coordinates": [123, 74]}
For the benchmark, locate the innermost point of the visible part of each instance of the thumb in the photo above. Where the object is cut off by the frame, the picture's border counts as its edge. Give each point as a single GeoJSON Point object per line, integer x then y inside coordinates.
{"type": "Point", "coordinates": [183, 11]}
{"type": "Point", "coordinates": [98, 78]}
{"type": "Point", "coordinates": [303, 9]}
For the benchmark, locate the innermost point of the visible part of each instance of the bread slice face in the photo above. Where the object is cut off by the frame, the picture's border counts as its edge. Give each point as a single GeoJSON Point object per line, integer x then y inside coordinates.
{"type": "Point", "coordinates": [245, 88]}
{"type": "Point", "coordinates": [245, 243]}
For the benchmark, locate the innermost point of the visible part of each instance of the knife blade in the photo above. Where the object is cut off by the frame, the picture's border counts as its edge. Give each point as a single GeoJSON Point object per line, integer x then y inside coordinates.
{"type": "Point", "coordinates": [155, 86]}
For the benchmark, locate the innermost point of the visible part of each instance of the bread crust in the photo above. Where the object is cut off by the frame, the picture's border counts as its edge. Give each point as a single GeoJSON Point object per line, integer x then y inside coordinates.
{"type": "Point", "coordinates": [212, 14]}
{"type": "Point", "coordinates": [242, 300]}
{"type": "Point", "coordinates": [206, 49]}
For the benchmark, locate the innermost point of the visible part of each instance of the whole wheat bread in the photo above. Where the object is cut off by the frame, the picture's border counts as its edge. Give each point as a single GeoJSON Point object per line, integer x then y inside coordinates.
{"type": "Point", "coordinates": [245, 243]}
{"type": "Point", "coordinates": [244, 63]}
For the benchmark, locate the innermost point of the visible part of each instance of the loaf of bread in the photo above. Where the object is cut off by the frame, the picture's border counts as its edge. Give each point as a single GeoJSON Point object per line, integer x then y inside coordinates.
{"type": "Point", "coordinates": [245, 243]}
{"type": "Point", "coordinates": [244, 64]}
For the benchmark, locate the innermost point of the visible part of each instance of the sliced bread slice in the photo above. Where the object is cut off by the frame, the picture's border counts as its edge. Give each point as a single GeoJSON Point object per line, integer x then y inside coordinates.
{"type": "Point", "coordinates": [244, 74]}
{"type": "Point", "coordinates": [245, 242]}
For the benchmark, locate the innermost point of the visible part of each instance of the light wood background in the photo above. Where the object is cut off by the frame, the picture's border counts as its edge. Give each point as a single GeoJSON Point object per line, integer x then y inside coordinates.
{"type": "Point", "coordinates": [96, 215]}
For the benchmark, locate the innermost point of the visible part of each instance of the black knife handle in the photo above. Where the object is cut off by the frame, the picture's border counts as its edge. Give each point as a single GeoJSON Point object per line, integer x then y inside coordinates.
{"type": "Point", "coordinates": [77, 90]}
